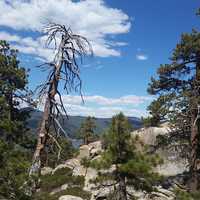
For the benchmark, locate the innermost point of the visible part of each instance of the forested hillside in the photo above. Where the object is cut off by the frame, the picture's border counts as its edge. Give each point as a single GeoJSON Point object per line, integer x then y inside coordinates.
{"type": "Point", "coordinates": [72, 124]}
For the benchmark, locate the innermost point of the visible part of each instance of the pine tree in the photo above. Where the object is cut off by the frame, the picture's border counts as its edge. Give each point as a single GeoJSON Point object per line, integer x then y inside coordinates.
{"type": "Point", "coordinates": [14, 155]}
{"type": "Point", "coordinates": [14, 164]}
{"type": "Point", "coordinates": [130, 166]}
{"type": "Point", "coordinates": [87, 130]}
{"type": "Point", "coordinates": [13, 82]}
{"type": "Point", "coordinates": [158, 110]}
{"type": "Point", "coordinates": [181, 80]}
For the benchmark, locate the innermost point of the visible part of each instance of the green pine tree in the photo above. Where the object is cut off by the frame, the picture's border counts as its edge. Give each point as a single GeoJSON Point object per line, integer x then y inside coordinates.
{"type": "Point", "coordinates": [159, 111]}
{"type": "Point", "coordinates": [13, 82]}
{"type": "Point", "coordinates": [180, 79]}
{"type": "Point", "coordinates": [87, 130]}
{"type": "Point", "coordinates": [15, 143]}
{"type": "Point", "coordinates": [131, 167]}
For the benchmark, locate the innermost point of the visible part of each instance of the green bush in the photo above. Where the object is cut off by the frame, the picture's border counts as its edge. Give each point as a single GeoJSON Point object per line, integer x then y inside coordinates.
{"type": "Point", "coordinates": [60, 177]}
{"type": "Point", "coordinates": [14, 165]}
{"type": "Point", "coordinates": [63, 172]}
{"type": "Point", "coordinates": [183, 195]}
{"type": "Point", "coordinates": [52, 181]}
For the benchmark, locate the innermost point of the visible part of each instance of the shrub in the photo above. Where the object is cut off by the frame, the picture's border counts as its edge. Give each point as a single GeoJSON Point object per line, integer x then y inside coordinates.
{"type": "Point", "coordinates": [60, 177]}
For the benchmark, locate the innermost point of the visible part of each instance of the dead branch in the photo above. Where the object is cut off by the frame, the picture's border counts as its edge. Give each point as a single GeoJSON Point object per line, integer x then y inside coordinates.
{"type": "Point", "coordinates": [70, 49]}
{"type": "Point", "coordinates": [57, 144]}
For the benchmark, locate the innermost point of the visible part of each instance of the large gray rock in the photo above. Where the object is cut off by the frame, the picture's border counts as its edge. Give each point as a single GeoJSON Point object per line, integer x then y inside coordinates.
{"type": "Point", "coordinates": [101, 193]}
{"type": "Point", "coordinates": [84, 152]}
{"type": "Point", "coordinates": [61, 166]}
{"type": "Point", "coordinates": [148, 135]}
{"type": "Point", "coordinates": [79, 170]}
{"type": "Point", "coordinates": [95, 148]}
{"type": "Point", "coordinates": [162, 194]}
{"type": "Point", "coordinates": [72, 163]}
{"type": "Point", "coordinates": [46, 170]}
{"type": "Point", "coordinates": [172, 167]}
{"type": "Point", "coordinates": [91, 174]}
{"type": "Point", "coordinates": [173, 164]}
{"type": "Point", "coordinates": [91, 150]}
{"type": "Point", "coordinates": [59, 189]}
{"type": "Point", "coordinates": [69, 197]}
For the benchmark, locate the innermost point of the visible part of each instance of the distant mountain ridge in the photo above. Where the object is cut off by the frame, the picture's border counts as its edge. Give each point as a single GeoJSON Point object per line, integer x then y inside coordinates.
{"type": "Point", "coordinates": [72, 123]}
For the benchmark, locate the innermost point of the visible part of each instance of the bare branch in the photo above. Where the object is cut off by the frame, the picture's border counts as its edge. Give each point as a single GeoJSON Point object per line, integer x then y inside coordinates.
{"type": "Point", "coordinates": [57, 144]}
{"type": "Point", "coordinates": [69, 51]}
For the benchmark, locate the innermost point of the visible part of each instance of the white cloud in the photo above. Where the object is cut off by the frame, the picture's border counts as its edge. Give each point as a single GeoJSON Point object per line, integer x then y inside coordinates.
{"type": "Point", "coordinates": [132, 100]}
{"type": "Point", "coordinates": [90, 18]}
{"type": "Point", "coordinates": [96, 111]}
{"type": "Point", "coordinates": [103, 107]}
{"type": "Point", "coordinates": [8, 37]}
{"type": "Point", "coordinates": [141, 56]}
{"type": "Point", "coordinates": [102, 112]}
{"type": "Point", "coordinates": [28, 45]}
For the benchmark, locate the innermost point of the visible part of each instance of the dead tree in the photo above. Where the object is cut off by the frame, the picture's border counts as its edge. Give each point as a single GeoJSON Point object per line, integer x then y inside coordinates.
{"type": "Point", "coordinates": [69, 52]}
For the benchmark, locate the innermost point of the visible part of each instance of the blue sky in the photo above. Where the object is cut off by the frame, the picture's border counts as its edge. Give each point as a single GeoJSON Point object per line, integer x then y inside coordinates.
{"type": "Point", "coordinates": [130, 39]}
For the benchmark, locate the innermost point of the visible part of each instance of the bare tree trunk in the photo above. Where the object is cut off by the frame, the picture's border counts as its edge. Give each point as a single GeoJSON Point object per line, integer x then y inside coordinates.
{"type": "Point", "coordinates": [120, 176]}
{"type": "Point", "coordinates": [193, 182]}
{"type": "Point", "coordinates": [63, 67]}
{"type": "Point", "coordinates": [195, 134]}
{"type": "Point", "coordinates": [42, 136]}
{"type": "Point", "coordinates": [122, 188]}
{"type": "Point", "coordinates": [9, 99]}
{"type": "Point", "coordinates": [46, 119]}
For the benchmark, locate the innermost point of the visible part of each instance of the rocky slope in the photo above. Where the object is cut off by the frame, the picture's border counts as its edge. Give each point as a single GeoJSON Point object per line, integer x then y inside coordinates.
{"type": "Point", "coordinates": [172, 167]}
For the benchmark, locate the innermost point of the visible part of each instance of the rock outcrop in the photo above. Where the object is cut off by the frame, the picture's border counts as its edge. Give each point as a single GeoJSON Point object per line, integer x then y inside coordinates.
{"type": "Point", "coordinates": [46, 170]}
{"type": "Point", "coordinates": [148, 135]}
{"type": "Point", "coordinates": [90, 151]}
{"type": "Point", "coordinates": [173, 165]}
{"type": "Point", "coordinates": [69, 197]}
